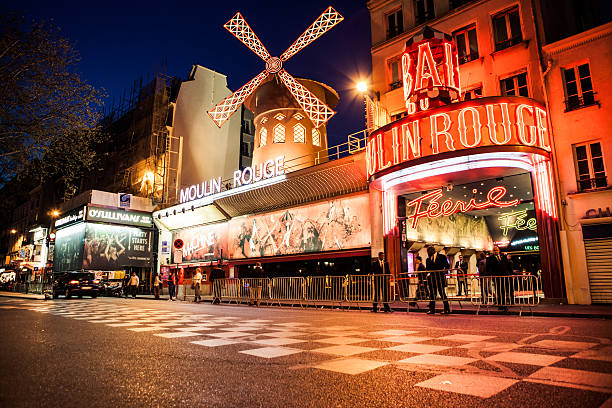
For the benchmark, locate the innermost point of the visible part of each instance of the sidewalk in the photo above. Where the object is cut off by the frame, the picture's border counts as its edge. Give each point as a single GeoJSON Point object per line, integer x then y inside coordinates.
{"type": "Point", "coordinates": [543, 310]}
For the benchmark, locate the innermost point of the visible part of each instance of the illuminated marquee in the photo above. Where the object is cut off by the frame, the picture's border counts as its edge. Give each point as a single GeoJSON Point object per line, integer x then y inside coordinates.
{"type": "Point", "coordinates": [496, 121]}
{"type": "Point", "coordinates": [249, 175]}
{"type": "Point", "coordinates": [517, 220]}
{"type": "Point", "coordinates": [430, 70]}
{"type": "Point", "coordinates": [436, 209]}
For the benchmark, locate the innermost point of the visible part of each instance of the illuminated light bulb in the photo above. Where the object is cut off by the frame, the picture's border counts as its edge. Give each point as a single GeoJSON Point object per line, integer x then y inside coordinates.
{"type": "Point", "coordinates": [362, 86]}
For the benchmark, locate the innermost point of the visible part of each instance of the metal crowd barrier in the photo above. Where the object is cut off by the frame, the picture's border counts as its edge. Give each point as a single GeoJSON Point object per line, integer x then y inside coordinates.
{"type": "Point", "coordinates": [504, 291]}
{"type": "Point", "coordinates": [290, 290]}
{"type": "Point", "coordinates": [38, 288]}
{"type": "Point", "coordinates": [359, 289]}
{"type": "Point", "coordinates": [226, 289]}
{"type": "Point", "coordinates": [325, 290]}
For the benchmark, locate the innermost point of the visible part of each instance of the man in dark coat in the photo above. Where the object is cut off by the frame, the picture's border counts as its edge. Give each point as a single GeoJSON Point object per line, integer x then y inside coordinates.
{"type": "Point", "coordinates": [437, 265]}
{"type": "Point", "coordinates": [381, 271]}
{"type": "Point", "coordinates": [498, 268]}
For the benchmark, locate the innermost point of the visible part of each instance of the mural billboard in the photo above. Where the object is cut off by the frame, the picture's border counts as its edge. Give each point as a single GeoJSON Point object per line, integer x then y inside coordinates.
{"type": "Point", "coordinates": [68, 252]}
{"type": "Point", "coordinates": [204, 243]}
{"type": "Point", "coordinates": [116, 246]}
{"type": "Point", "coordinates": [326, 226]}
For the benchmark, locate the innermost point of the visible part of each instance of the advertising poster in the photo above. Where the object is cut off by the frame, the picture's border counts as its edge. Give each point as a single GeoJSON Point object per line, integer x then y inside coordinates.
{"type": "Point", "coordinates": [116, 246]}
{"type": "Point", "coordinates": [68, 252]}
{"type": "Point", "coordinates": [204, 243]}
{"type": "Point", "coordinates": [327, 226]}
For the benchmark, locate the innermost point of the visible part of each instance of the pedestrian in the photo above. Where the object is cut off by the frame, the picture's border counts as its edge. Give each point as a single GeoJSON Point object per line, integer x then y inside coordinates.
{"type": "Point", "coordinates": [483, 277]}
{"type": "Point", "coordinates": [197, 282]}
{"type": "Point", "coordinates": [497, 267]}
{"type": "Point", "coordinates": [380, 269]}
{"type": "Point", "coordinates": [419, 268]}
{"type": "Point", "coordinates": [157, 285]}
{"type": "Point", "coordinates": [437, 266]}
{"type": "Point", "coordinates": [171, 286]}
{"type": "Point", "coordinates": [134, 282]}
{"type": "Point", "coordinates": [461, 267]}
{"type": "Point", "coordinates": [126, 284]}
{"type": "Point", "coordinates": [216, 276]}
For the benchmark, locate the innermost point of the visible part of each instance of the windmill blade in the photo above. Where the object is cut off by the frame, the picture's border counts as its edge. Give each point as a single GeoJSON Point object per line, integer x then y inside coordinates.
{"type": "Point", "coordinates": [326, 21]}
{"type": "Point", "coordinates": [226, 108]}
{"type": "Point", "coordinates": [318, 112]}
{"type": "Point", "coordinates": [238, 26]}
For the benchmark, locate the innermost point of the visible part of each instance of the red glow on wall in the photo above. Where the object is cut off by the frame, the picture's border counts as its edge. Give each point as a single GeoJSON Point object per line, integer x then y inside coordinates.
{"type": "Point", "coordinates": [436, 209]}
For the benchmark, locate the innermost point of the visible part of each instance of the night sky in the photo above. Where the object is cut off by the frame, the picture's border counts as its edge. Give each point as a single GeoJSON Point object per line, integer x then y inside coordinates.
{"type": "Point", "coordinates": [120, 43]}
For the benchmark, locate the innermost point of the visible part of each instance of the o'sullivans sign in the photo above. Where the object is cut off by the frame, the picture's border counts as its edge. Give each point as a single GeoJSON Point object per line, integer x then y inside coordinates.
{"type": "Point", "coordinates": [496, 121]}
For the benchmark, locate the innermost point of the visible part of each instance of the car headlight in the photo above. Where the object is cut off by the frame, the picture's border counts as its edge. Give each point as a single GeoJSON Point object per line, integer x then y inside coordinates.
{"type": "Point", "coordinates": [96, 281]}
{"type": "Point", "coordinates": [74, 282]}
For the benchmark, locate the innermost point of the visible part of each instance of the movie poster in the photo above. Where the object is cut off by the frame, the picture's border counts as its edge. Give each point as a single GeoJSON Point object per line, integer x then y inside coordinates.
{"type": "Point", "coordinates": [68, 252]}
{"type": "Point", "coordinates": [116, 246]}
{"type": "Point", "coordinates": [204, 243]}
{"type": "Point", "coordinates": [327, 226]}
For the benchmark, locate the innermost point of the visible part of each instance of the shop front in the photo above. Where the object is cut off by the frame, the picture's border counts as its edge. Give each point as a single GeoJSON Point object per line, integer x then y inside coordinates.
{"type": "Point", "coordinates": [108, 242]}
{"type": "Point", "coordinates": [464, 176]}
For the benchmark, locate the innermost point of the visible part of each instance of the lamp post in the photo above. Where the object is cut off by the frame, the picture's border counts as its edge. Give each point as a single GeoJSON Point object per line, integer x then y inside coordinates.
{"type": "Point", "coordinates": [53, 214]}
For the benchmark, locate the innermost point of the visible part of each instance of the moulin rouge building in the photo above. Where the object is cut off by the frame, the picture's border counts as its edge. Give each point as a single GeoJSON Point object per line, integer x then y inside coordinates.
{"type": "Point", "coordinates": [441, 164]}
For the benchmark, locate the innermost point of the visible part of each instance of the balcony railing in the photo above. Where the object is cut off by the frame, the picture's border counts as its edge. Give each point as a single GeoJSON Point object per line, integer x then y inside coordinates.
{"type": "Point", "coordinates": [592, 183]}
{"type": "Point", "coordinates": [426, 16]}
{"type": "Point", "coordinates": [502, 45]}
{"type": "Point", "coordinates": [394, 31]}
{"type": "Point", "coordinates": [577, 102]}
{"type": "Point", "coordinates": [395, 85]}
{"type": "Point", "coordinates": [468, 58]}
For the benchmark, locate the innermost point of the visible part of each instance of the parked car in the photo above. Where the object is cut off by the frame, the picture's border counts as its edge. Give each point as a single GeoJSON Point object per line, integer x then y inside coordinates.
{"type": "Point", "coordinates": [75, 284]}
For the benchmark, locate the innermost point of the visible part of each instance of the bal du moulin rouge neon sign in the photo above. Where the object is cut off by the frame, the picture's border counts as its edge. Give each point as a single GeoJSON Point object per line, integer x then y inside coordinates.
{"type": "Point", "coordinates": [436, 209]}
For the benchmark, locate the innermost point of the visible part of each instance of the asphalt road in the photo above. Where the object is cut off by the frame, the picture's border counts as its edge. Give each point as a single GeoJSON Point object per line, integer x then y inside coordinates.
{"type": "Point", "coordinates": [124, 352]}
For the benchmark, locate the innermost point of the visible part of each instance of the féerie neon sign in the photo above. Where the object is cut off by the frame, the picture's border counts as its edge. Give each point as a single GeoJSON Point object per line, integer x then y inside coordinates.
{"type": "Point", "coordinates": [436, 209]}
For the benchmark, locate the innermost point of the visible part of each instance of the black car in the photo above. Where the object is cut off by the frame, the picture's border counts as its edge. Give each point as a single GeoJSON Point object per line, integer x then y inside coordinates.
{"type": "Point", "coordinates": [75, 284]}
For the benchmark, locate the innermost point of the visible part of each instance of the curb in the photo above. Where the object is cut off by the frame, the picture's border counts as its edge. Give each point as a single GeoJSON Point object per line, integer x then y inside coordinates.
{"type": "Point", "coordinates": [22, 295]}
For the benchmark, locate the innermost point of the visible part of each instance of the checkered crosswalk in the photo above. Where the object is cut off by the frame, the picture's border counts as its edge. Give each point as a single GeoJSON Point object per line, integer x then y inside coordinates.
{"type": "Point", "coordinates": [457, 362]}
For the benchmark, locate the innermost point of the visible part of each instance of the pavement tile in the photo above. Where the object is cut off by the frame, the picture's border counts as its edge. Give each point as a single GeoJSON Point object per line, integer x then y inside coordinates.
{"type": "Point", "coordinates": [279, 341]}
{"type": "Point", "coordinates": [476, 385]}
{"type": "Point", "coordinates": [284, 334]}
{"type": "Point", "coordinates": [418, 348]}
{"type": "Point", "coordinates": [343, 350]}
{"type": "Point", "coordinates": [404, 339]}
{"type": "Point", "coordinates": [437, 359]}
{"type": "Point", "coordinates": [173, 335]}
{"type": "Point", "coordinates": [392, 332]}
{"type": "Point", "coordinates": [271, 352]}
{"type": "Point", "coordinates": [193, 328]}
{"type": "Point", "coordinates": [350, 366]}
{"type": "Point", "coordinates": [466, 337]}
{"type": "Point", "coordinates": [565, 345]}
{"type": "Point", "coordinates": [243, 328]}
{"type": "Point", "coordinates": [124, 324]}
{"type": "Point", "coordinates": [490, 346]}
{"type": "Point", "coordinates": [148, 328]}
{"type": "Point", "coordinates": [526, 358]}
{"type": "Point", "coordinates": [341, 340]}
{"type": "Point", "coordinates": [570, 378]}
{"type": "Point", "coordinates": [292, 324]}
{"type": "Point", "coordinates": [230, 335]}
{"type": "Point", "coordinates": [215, 342]}
{"type": "Point", "coordinates": [105, 321]}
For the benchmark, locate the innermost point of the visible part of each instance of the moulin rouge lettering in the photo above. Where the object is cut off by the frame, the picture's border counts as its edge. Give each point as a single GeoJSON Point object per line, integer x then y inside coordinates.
{"type": "Point", "coordinates": [436, 209]}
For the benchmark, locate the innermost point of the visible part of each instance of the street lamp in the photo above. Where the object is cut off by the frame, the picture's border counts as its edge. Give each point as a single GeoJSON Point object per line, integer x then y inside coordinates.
{"type": "Point", "coordinates": [362, 86]}
{"type": "Point", "coordinates": [13, 231]}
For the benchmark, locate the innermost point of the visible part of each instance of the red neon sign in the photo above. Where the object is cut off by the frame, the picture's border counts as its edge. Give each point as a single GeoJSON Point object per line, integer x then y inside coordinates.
{"type": "Point", "coordinates": [436, 209]}
{"type": "Point", "coordinates": [495, 121]}
{"type": "Point", "coordinates": [430, 70]}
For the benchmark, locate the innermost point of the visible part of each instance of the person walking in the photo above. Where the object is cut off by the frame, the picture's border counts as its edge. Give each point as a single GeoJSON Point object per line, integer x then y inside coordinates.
{"type": "Point", "coordinates": [171, 286]}
{"type": "Point", "coordinates": [157, 285]}
{"type": "Point", "coordinates": [197, 283]}
{"type": "Point", "coordinates": [461, 267]}
{"type": "Point", "coordinates": [134, 282]}
{"type": "Point", "coordinates": [380, 269]}
{"type": "Point", "coordinates": [436, 265]}
{"type": "Point", "coordinates": [497, 267]}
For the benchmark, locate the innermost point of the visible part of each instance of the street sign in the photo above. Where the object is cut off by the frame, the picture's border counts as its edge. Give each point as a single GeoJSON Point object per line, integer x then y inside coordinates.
{"type": "Point", "coordinates": [178, 243]}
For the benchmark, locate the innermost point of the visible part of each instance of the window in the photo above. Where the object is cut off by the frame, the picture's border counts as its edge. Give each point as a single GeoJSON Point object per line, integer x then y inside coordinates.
{"type": "Point", "coordinates": [395, 24]}
{"type": "Point", "coordinates": [279, 116]}
{"type": "Point", "coordinates": [299, 134]}
{"type": "Point", "coordinates": [316, 137]}
{"type": "Point", "coordinates": [398, 116]}
{"type": "Point", "coordinates": [473, 93]}
{"type": "Point", "coordinates": [424, 10]}
{"type": "Point", "coordinates": [279, 134]}
{"type": "Point", "coordinates": [515, 85]}
{"type": "Point", "coordinates": [458, 3]}
{"type": "Point", "coordinates": [394, 74]}
{"type": "Point", "coordinates": [263, 136]}
{"type": "Point", "coordinates": [507, 29]}
{"type": "Point", "coordinates": [590, 166]}
{"type": "Point", "coordinates": [578, 87]}
{"type": "Point", "coordinates": [298, 116]}
{"type": "Point", "coordinates": [264, 120]}
{"type": "Point", "coordinates": [245, 149]}
{"type": "Point", "coordinates": [467, 46]}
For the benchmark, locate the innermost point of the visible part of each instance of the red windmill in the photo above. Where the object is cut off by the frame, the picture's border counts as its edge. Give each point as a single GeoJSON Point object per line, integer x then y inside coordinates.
{"type": "Point", "coordinates": [318, 112]}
